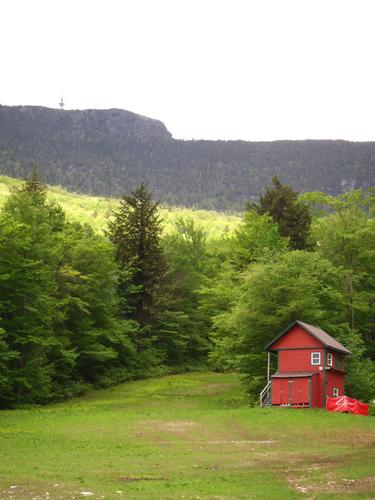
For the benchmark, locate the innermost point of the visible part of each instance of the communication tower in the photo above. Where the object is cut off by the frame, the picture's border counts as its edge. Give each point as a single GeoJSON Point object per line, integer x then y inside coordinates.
{"type": "Point", "coordinates": [62, 103]}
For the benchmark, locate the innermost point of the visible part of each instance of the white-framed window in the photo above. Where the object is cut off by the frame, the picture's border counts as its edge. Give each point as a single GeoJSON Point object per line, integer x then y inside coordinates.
{"type": "Point", "coordinates": [335, 392]}
{"type": "Point", "coordinates": [329, 359]}
{"type": "Point", "coordinates": [315, 358]}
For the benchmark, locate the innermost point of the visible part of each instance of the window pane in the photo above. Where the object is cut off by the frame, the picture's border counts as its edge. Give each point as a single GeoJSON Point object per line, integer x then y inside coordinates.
{"type": "Point", "coordinates": [315, 358]}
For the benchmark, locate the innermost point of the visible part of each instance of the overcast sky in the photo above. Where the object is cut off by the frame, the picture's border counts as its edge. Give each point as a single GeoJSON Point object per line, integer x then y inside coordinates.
{"type": "Point", "coordinates": [209, 69]}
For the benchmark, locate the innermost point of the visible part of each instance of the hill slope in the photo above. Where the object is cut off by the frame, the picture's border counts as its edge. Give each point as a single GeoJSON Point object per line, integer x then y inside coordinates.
{"type": "Point", "coordinates": [109, 152]}
{"type": "Point", "coordinates": [95, 210]}
{"type": "Point", "coordinates": [185, 436]}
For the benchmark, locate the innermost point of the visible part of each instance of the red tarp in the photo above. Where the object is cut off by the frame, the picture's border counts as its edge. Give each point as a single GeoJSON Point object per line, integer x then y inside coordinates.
{"type": "Point", "coordinates": [347, 405]}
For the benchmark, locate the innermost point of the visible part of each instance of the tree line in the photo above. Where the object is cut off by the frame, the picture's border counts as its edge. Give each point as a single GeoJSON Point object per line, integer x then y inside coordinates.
{"type": "Point", "coordinates": [81, 310]}
{"type": "Point", "coordinates": [110, 152]}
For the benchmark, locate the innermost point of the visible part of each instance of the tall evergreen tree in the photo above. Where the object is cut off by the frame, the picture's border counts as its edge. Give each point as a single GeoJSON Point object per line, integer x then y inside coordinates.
{"type": "Point", "coordinates": [293, 218]}
{"type": "Point", "coordinates": [36, 188]}
{"type": "Point", "coordinates": [135, 232]}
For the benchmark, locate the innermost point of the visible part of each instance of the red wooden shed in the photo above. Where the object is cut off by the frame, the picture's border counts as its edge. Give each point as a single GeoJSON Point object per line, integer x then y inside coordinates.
{"type": "Point", "coordinates": [310, 368]}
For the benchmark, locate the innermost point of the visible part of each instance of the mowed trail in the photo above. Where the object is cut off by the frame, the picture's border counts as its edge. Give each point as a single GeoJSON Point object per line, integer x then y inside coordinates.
{"type": "Point", "coordinates": [185, 436]}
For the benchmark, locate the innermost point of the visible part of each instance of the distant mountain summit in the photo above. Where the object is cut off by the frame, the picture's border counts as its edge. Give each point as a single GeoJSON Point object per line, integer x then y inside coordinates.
{"type": "Point", "coordinates": [109, 152]}
{"type": "Point", "coordinates": [80, 126]}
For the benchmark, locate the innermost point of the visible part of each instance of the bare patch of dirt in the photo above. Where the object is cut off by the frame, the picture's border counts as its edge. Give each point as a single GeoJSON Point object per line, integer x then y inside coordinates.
{"type": "Point", "coordinates": [342, 486]}
{"type": "Point", "coordinates": [240, 442]}
{"type": "Point", "coordinates": [299, 478]}
{"type": "Point", "coordinates": [129, 479]}
{"type": "Point", "coordinates": [180, 427]}
{"type": "Point", "coordinates": [177, 426]}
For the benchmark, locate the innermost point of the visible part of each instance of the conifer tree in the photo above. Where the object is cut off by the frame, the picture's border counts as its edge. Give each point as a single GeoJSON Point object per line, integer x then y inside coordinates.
{"type": "Point", "coordinates": [293, 218]}
{"type": "Point", "coordinates": [35, 188]}
{"type": "Point", "coordinates": [136, 234]}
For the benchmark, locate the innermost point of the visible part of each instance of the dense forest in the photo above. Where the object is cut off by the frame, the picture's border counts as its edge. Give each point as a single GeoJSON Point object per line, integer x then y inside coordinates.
{"type": "Point", "coordinates": [110, 152]}
{"type": "Point", "coordinates": [79, 309]}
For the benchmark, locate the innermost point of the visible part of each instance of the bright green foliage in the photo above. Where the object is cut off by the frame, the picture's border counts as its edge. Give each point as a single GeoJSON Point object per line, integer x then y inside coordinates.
{"type": "Point", "coordinates": [360, 379]}
{"type": "Point", "coordinates": [27, 288]}
{"type": "Point", "coordinates": [347, 239]}
{"type": "Point", "coordinates": [300, 285]}
{"type": "Point", "coordinates": [257, 239]}
{"type": "Point", "coordinates": [293, 218]}
{"type": "Point", "coordinates": [183, 325]}
{"type": "Point", "coordinates": [58, 305]}
{"type": "Point", "coordinates": [77, 310]}
{"type": "Point", "coordinates": [89, 308]}
{"type": "Point", "coordinates": [95, 210]}
{"type": "Point", "coordinates": [219, 294]}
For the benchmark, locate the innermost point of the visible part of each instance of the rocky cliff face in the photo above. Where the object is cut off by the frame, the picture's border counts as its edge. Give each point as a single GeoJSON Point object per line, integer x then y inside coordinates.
{"type": "Point", "coordinates": [29, 122]}
{"type": "Point", "coordinates": [109, 152]}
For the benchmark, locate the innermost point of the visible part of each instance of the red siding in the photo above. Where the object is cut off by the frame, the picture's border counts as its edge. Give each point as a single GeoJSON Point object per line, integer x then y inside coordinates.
{"type": "Point", "coordinates": [294, 391]}
{"type": "Point", "coordinates": [294, 355]}
{"type": "Point", "coordinates": [296, 337]}
{"type": "Point", "coordinates": [280, 391]}
{"type": "Point", "coordinates": [335, 357]}
{"type": "Point", "coordinates": [334, 379]}
{"type": "Point", "coordinates": [317, 391]}
{"type": "Point", "coordinates": [299, 360]}
{"type": "Point", "coordinates": [301, 390]}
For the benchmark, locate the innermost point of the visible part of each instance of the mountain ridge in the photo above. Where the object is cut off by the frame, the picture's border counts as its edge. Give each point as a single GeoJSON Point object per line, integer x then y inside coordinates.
{"type": "Point", "coordinates": [109, 152]}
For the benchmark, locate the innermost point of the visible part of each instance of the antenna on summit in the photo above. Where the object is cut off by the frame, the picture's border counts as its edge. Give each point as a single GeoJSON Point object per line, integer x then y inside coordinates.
{"type": "Point", "coordinates": [62, 103]}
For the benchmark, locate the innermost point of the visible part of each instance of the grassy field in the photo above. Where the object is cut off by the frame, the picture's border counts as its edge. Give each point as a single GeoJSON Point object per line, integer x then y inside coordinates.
{"type": "Point", "coordinates": [185, 436]}
{"type": "Point", "coordinates": [95, 210]}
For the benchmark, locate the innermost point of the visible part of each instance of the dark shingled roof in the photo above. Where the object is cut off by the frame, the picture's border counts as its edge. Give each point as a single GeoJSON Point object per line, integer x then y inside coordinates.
{"type": "Point", "coordinates": [316, 332]}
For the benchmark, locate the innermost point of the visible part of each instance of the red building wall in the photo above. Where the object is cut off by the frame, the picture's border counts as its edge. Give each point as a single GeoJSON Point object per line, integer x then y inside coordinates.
{"type": "Point", "coordinates": [301, 390]}
{"type": "Point", "coordinates": [294, 391]}
{"type": "Point", "coordinates": [317, 390]}
{"type": "Point", "coordinates": [296, 337]}
{"type": "Point", "coordinates": [280, 391]}
{"type": "Point", "coordinates": [337, 356]}
{"type": "Point", "coordinates": [334, 379]}
{"type": "Point", "coordinates": [294, 355]}
{"type": "Point", "coordinates": [296, 360]}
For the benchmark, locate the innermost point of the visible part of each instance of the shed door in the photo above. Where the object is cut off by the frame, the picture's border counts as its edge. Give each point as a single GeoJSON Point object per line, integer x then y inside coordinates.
{"type": "Point", "coordinates": [301, 391]}
{"type": "Point", "coordinates": [293, 391]}
{"type": "Point", "coordinates": [280, 391]}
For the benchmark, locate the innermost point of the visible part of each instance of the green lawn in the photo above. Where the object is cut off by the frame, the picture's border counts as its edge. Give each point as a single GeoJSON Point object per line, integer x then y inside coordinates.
{"type": "Point", "coordinates": [185, 436]}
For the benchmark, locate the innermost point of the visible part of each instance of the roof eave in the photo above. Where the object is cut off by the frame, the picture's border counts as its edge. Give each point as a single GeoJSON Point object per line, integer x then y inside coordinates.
{"type": "Point", "coordinates": [344, 350]}
{"type": "Point", "coordinates": [302, 325]}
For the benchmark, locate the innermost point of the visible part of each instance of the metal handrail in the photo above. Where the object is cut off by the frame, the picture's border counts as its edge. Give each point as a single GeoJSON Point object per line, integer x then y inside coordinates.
{"type": "Point", "coordinates": [266, 391]}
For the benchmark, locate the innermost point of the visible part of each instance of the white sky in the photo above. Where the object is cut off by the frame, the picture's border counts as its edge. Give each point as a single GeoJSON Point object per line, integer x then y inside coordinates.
{"type": "Point", "coordinates": [209, 69]}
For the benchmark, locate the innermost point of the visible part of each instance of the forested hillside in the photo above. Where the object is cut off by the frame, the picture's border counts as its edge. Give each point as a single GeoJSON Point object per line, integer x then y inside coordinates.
{"type": "Point", "coordinates": [81, 308]}
{"type": "Point", "coordinates": [110, 152]}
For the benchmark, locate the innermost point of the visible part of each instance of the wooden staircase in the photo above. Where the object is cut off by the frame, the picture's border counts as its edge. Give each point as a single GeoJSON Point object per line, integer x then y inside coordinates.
{"type": "Point", "coordinates": [265, 395]}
